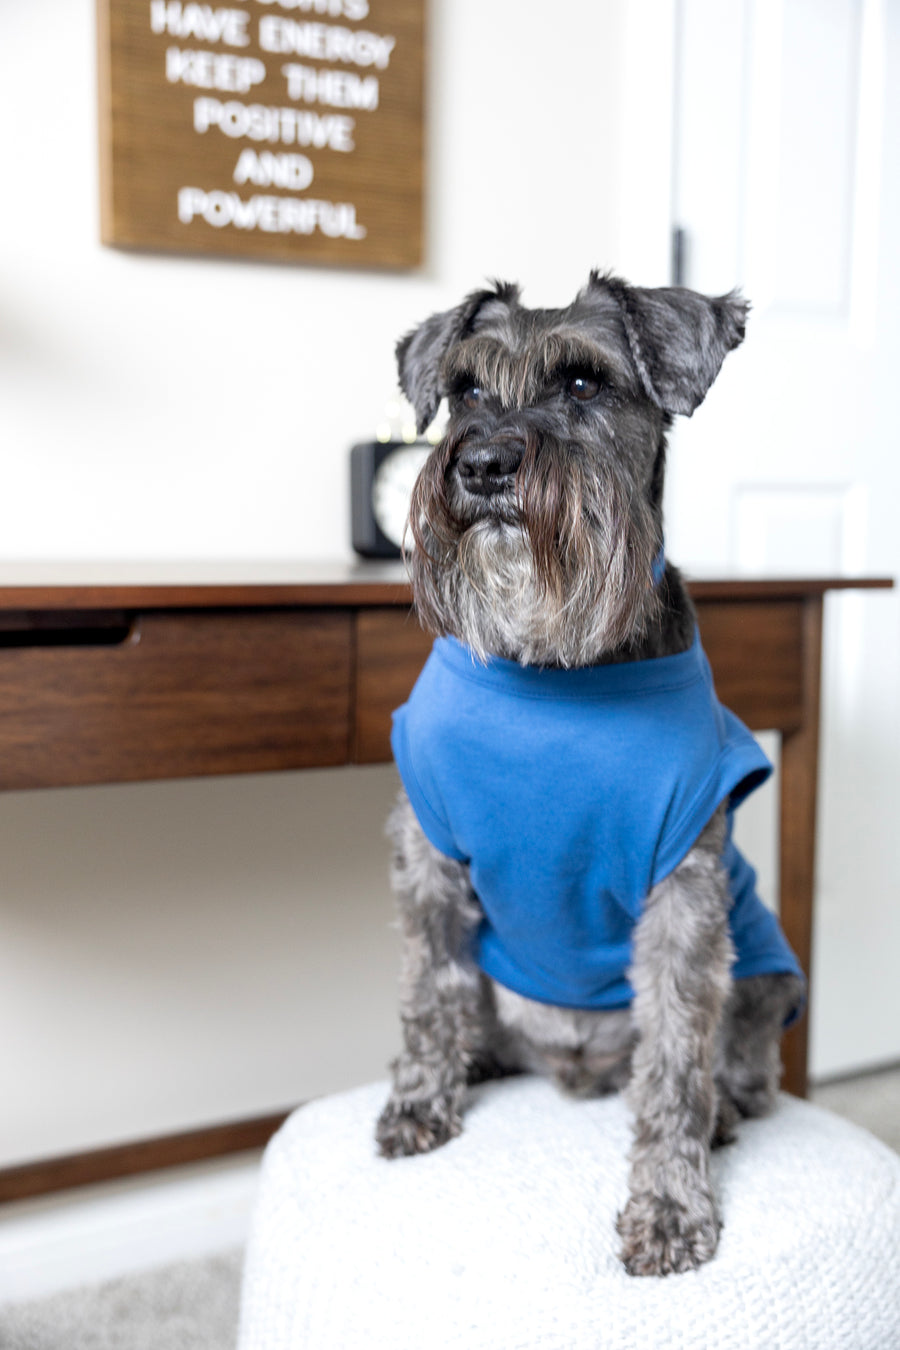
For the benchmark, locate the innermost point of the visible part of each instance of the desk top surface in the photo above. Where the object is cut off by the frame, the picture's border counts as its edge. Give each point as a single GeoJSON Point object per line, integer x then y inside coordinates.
{"type": "Point", "coordinates": [201, 584]}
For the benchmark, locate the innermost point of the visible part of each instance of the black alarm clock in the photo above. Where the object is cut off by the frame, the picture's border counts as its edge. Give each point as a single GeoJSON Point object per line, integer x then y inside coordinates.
{"type": "Point", "coordinates": [382, 474]}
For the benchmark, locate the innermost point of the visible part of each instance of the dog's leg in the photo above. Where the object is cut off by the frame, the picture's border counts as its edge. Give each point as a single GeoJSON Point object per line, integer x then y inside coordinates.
{"type": "Point", "coordinates": [748, 1057]}
{"type": "Point", "coordinates": [444, 1000]}
{"type": "Point", "coordinates": [680, 974]}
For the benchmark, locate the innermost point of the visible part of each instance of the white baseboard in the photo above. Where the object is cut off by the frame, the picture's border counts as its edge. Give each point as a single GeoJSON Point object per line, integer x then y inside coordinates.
{"type": "Point", "coordinates": [93, 1234]}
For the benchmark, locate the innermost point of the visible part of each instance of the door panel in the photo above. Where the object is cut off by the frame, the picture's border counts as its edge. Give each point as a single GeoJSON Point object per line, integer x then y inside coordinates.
{"type": "Point", "coordinates": [786, 183]}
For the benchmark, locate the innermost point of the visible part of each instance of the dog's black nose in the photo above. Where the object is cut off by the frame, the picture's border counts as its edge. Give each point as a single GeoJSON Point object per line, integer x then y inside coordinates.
{"type": "Point", "coordinates": [488, 468]}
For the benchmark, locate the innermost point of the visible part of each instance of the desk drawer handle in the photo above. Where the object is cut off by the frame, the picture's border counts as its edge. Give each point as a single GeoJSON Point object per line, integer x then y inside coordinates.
{"type": "Point", "coordinates": [83, 628]}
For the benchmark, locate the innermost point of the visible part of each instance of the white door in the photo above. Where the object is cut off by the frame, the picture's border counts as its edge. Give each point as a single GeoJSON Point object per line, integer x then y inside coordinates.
{"type": "Point", "coordinates": [786, 181]}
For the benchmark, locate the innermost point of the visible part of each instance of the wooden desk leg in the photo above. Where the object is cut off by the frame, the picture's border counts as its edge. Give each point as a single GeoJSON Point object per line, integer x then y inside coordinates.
{"type": "Point", "coordinates": [799, 778]}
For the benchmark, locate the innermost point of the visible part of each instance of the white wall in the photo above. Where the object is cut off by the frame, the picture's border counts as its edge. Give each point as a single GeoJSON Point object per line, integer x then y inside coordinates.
{"type": "Point", "coordinates": [158, 407]}
{"type": "Point", "coordinates": [178, 953]}
{"type": "Point", "coordinates": [181, 953]}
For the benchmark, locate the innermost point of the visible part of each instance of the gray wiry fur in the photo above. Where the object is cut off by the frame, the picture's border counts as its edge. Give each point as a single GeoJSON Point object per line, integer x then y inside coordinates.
{"type": "Point", "coordinates": [535, 525]}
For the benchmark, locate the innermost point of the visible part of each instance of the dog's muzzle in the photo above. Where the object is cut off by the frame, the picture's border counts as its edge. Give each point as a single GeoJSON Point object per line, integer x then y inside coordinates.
{"type": "Point", "coordinates": [488, 467]}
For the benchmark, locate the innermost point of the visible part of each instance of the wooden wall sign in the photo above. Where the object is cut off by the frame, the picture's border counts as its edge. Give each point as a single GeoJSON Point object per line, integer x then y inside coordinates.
{"type": "Point", "coordinates": [282, 129]}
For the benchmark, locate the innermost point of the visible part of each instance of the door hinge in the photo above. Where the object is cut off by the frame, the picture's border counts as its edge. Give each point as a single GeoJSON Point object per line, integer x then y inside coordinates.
{"type": "Point", "coordinates": [679, 256]}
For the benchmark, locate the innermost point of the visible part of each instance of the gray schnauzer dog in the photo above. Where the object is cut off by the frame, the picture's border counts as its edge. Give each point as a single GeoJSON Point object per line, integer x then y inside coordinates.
{"type": "Point", "coordinates": [571, 901]}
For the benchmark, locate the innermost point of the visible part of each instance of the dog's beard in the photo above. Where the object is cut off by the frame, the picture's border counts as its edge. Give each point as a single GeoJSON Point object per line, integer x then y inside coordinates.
{"type": "Point", "coordinates": [556, 574]}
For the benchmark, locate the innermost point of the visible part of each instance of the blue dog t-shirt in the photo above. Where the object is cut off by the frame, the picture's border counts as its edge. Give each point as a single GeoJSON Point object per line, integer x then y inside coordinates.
{"type": "Point", "coordinates": [570, 794]}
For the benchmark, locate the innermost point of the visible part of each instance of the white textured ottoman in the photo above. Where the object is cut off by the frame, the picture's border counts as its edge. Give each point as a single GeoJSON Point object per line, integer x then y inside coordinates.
{"type": "Point", "coordinates": [505, 1238]}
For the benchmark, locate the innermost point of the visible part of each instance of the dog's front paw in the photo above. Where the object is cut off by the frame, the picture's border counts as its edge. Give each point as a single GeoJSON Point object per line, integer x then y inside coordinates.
{"type": "Point", "coordinates": [659, 1237]}
{"type": "Point", "coordinates": [408, 1126]}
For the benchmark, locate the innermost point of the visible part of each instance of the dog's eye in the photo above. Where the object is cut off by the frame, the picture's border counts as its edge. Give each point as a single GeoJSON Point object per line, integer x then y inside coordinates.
{"type": "Point", "coordinates": [472, 396]}
{"type": "Point", "coordinates": [582, 387]}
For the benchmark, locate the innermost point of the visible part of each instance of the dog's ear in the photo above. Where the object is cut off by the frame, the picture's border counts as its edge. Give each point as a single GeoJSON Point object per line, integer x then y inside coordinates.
{"type": "Point", "coordinates": [678, 338]}
{"type": "Point", "coordinates": [420, 353]}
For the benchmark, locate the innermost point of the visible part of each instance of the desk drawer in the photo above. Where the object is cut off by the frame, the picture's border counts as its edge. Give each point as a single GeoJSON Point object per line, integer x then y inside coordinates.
{"type": "Point", "coordinates": [173, 694]}
{"type": "Point", "coordinates": [755, 649]}
{"type": "Point", "coordinates": [391, 649]}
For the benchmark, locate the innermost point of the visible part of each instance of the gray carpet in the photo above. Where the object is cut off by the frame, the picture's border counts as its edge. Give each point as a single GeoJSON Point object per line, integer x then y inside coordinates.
{"type": "Point", "coordinates": [871, 1100]}
{"type": "Point", "coordinates": [189, 1306]}
{"type": "Point", "coordinates": [194, 1305]}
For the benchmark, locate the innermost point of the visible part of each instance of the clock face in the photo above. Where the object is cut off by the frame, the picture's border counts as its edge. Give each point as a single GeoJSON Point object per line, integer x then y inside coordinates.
{"type": "Point", "coordinates": [392, 488]}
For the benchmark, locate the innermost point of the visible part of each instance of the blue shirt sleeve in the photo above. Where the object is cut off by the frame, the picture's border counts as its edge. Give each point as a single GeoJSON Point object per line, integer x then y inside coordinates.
{"type": "Point", "coordinates": [421, 788]}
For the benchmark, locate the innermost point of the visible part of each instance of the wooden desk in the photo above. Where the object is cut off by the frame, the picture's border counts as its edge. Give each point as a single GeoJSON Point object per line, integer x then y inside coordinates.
{"type": "Point", "coordinates": [155, 676]}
